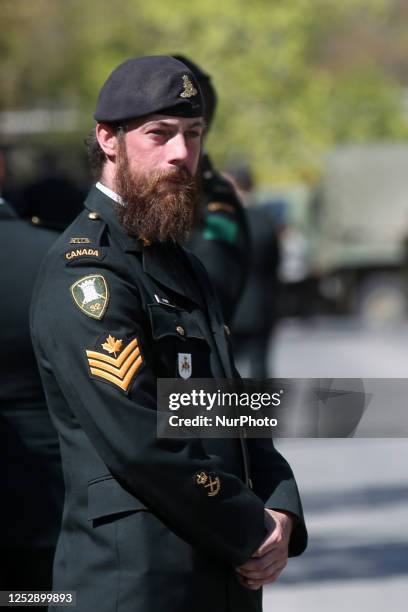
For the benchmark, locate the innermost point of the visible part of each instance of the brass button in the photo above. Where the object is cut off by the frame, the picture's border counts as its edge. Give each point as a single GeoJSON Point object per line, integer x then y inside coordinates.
{"type": "Point", "coordinates": [227, 330]}
{"type": "Point", "coordinates": [36, 220]}
{"type": "Point", "coordinates": [180, 330]}
{"type": "Point", "coordinates": [94, 216]}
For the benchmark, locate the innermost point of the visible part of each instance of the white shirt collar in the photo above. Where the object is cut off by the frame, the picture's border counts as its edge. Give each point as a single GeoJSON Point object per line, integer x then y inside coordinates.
{"type": "Point", "coordinates": [108, 192]}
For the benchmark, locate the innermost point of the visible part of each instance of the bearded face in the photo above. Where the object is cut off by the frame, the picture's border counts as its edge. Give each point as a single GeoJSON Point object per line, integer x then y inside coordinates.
{"type": "Point", "coordinates": [160, 206]}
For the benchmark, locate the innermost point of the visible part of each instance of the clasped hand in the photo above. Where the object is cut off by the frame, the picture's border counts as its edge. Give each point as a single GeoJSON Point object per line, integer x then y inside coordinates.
{"type": "Point", "coordinates": [271, 557]}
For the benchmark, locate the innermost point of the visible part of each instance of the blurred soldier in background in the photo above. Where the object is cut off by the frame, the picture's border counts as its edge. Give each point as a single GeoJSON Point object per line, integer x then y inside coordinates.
{"type": "Point", "coordinates": [53, 196]}
{"type": "Point", "coordinates": [6, 211]}
{"type": "Point", "coordinates": [258, 309]}
{"type": "Point", "coordinates": [30, 477]}
{"type": "Point", "coordinates": [221, 239]}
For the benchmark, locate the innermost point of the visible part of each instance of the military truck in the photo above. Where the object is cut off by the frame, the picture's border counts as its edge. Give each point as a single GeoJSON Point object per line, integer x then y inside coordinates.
{"type": "Point", "coordinates": [359, 219]}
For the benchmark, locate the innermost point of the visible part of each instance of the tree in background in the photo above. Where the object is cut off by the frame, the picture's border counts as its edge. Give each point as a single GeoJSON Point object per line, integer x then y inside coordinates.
{"type": "Point", "coordinates": [295, 78]}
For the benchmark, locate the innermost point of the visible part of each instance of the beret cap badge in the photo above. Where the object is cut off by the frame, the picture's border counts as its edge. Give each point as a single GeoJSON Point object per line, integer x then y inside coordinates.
{"type": "Point", "coordinates": [189, 90]}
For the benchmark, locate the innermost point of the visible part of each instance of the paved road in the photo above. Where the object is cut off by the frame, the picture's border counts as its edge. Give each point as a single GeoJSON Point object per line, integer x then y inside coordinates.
{"type": "Point", "coordinates": [339, 348]}
{"type": "Point", "coordinates": [355, 491]}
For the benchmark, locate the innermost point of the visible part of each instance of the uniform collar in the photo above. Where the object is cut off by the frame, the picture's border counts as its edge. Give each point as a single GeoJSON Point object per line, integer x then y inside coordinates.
{"type": "Point", "coordinates": [111, 194]}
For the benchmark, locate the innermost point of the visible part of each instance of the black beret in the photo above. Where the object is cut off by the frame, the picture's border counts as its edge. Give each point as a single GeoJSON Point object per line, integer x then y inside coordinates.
{"type": "Point", "coordinates": [146, 85]}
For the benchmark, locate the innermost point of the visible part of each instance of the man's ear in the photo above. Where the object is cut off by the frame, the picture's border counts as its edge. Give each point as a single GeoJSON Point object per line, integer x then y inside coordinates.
{"type": "Point", "coordinates": [107, 138]}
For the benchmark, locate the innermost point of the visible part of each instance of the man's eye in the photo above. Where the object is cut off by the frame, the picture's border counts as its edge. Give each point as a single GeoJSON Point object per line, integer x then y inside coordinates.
{"type": "Point", "coordinates": [193, 134]}
{"type": "Point", "coordinates": [158, 132]}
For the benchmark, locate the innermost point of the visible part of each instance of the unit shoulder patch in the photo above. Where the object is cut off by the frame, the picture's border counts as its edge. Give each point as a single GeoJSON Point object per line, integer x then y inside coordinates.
{"type": "Point", "coordinates": [91, 295]}
{"type": "Point", "coordinates": [120, 369]}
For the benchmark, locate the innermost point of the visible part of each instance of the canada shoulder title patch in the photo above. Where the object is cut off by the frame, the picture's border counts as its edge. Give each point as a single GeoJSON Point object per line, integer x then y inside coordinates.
{"type": "Point", "coordinates": [74, 255]}
{"type": "Point", "coordinates": [91, 295]}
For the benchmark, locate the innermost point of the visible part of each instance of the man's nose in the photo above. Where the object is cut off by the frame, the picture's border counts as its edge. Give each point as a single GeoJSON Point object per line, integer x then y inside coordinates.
{"type": "Point", "coordinates": [178, 151]}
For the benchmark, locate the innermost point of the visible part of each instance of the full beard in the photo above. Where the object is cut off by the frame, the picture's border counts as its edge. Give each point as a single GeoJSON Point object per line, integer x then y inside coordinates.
{"type": "Point", "coordinates": [159, 207]}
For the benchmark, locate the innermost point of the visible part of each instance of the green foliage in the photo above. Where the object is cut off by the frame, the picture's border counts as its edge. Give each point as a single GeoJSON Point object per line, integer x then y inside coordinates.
{"type": "Point", "coordinates": [294, 78]}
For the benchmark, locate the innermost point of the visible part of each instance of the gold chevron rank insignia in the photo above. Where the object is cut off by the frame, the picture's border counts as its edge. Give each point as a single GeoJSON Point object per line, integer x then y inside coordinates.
{"type": "Point", "coordinates": [119, 369]}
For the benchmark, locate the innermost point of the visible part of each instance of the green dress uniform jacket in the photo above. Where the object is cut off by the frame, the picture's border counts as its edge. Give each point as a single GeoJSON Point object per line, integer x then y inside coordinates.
{"type": "Point", "coordinates": [31, 484]}
{"type": "Point", "coordinates": [139, 531]}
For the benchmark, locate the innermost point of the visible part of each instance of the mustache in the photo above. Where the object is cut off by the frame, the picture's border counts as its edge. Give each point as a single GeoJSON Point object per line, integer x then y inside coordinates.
{"type": "Point", "coordinates": [174, 175]}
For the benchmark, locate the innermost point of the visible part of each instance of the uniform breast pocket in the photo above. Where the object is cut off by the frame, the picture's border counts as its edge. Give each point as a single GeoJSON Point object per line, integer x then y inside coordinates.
{"type": "Point", "coordinates": [180, 347]}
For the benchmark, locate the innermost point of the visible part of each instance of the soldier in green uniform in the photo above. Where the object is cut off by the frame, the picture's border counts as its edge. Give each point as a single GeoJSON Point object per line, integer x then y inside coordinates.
{"type": "Point", "coordinates": [31, 482]}
{"type": "Point", "coordinates": [118, 304]}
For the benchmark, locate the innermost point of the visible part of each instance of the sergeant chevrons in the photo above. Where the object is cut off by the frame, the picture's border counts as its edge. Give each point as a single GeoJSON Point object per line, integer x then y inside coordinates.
{"type": "Point", "coordinates": [149, 524]}
{"type": "Point", "coordinates": [119, 370]}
